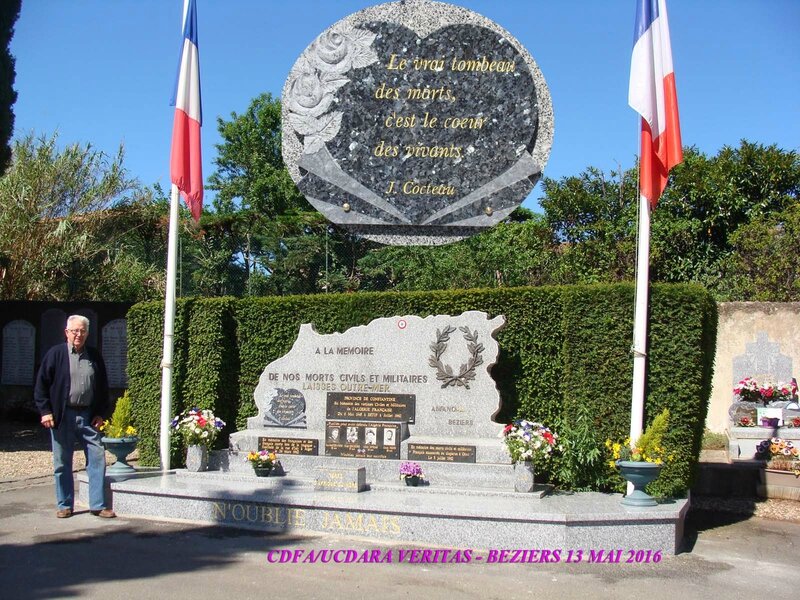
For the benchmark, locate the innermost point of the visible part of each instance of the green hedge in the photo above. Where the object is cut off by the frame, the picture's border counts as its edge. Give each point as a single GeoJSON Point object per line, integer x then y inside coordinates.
{"type": "Point", "coordinates": [565, 352]}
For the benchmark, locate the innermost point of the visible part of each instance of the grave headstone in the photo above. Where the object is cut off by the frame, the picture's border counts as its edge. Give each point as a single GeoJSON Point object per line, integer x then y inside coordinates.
{"type": "Point", "coordinates": [51, 330]}
{"type": "Point", "coordinates": [18, 358]}
{"type": "Point", "coordinates": [762, 360]}
{"type": "Point", "coordinates": [115, 352]}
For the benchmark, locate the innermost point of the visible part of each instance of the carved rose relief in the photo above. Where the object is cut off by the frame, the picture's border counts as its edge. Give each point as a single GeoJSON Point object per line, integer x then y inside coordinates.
{"type": "Point", "coordinates": [320, 73]}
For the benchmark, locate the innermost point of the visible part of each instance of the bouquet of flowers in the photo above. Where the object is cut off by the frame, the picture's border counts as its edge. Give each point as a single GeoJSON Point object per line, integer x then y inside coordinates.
{"type": "Point", "coordinates": [527, 440]}
{"type": "Point", "coordinates": [262, 459]}
{"type": "Point", "coordinates": [778, 448]}
{"type": "Point", "coordinates": [198, 427]}
{"type": "Point", "coordinates": [782, 455]}
{"type": "Point", "coordinates": [750, 390]}
{"type": "Point", "coordinates": [410, 469]}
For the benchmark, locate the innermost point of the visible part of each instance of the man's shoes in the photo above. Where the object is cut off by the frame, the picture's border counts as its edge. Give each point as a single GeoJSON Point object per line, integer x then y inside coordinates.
{"type": "Point", "coordinates": [64, 513]}
{"type": "Point", "coordinates": [106, 513]}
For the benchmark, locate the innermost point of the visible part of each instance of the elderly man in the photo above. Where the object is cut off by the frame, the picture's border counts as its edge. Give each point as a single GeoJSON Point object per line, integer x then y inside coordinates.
{"type": "Point", "coordinates": [72, 397]}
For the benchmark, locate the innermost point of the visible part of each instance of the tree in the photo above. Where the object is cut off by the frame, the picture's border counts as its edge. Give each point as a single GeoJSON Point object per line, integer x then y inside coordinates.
{"type": "Point", "coordinates": [708, 199]}
{"type": "Point", "coordinates": [765, 264]}
{"type": "Point", "coordinates": [69, 220]}
{"type": "Point", "coordinates": [693, 227]}
{"type": "Point", "coordinates": [9, 13]}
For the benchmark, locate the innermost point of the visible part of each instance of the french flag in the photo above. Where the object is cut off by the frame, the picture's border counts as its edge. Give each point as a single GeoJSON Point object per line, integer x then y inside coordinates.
{"type": "Point", "coordinates": [185, 163]}
{"type": "Point", "coordinates": [652, 94]}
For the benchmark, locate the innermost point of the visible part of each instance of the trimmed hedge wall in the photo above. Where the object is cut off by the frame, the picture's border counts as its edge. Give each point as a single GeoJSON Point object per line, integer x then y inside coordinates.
{"type": "Point", "coordinates": [565, 351]}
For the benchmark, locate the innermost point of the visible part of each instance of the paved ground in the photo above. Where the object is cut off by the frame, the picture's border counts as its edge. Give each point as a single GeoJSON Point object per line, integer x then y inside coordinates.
{"type": "Point", "coordinates": [88, 557]}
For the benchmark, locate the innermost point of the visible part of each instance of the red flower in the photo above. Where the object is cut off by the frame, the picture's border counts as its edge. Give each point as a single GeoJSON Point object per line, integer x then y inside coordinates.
{"type": "Point", "coordinates": [508, 429]}
{"type": "Point", "coordinates": [201, 422]}
{"type": "Point", "coordinates": [548, 437]}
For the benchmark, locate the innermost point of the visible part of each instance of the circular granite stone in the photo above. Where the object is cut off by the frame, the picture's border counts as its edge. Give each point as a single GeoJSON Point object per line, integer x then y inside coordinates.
{"type": "Point", "coordinates": [416, 123]}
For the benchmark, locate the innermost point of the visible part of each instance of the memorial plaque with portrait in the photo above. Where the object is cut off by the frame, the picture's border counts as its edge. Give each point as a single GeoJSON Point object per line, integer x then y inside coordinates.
{"type": "Point", "coordinates": [362, 439]}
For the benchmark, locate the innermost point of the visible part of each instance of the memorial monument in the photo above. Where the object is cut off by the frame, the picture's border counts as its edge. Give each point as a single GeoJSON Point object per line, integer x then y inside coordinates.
{"type": "Point", "coordinates": [398, 388]}
{"type": "Point", "coordinates": [411, 122]}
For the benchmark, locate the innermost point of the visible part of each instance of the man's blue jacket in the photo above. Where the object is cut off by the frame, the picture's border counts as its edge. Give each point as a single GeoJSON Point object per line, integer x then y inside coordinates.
{"type": "Point", "coordinates": [51, 393]}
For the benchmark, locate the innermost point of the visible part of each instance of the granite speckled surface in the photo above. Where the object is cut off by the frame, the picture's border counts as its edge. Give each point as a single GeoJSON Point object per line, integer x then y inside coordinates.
{"type": "Point", "coordinates": [416, 123]}
{"type": "Point", "coordinates": [574, 521]}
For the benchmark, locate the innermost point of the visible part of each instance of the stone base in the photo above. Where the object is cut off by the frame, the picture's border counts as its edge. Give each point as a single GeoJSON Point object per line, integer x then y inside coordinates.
{"type": "Point", "coordinates": [433, 514]}
{"type": "Point", "coordinates": [454, 475]}
{"type": "Point", "coordinates": [487, 450]}
{"type": "Point", "coordinates": [742, 441]}
{"type": "Point", "coordinates": [779, 484]}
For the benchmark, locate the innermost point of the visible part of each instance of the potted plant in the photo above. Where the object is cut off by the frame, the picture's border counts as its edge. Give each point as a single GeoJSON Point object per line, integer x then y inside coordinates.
{"type": "Point", "coordinates": [262, 461]}
{"type": "Point", "coordinates": [199, 428]}
{"type": "Point", "coordinates": [411, 472]}
{"type": "Point", "coordinates": [640, 463]}
{"type": "Point", "coordinates": [119, 436]}
{"type": "Point", "coordinates": [528, 442]}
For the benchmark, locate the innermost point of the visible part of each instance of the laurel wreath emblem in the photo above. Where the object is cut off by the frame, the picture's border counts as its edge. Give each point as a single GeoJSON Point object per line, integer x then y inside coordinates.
{"type": "Point", "coordinates": [466, 371]}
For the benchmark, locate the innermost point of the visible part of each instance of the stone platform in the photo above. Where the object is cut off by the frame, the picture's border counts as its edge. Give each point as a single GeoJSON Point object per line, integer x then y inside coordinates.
{"type": "Point", "coordinates": [433, 514]}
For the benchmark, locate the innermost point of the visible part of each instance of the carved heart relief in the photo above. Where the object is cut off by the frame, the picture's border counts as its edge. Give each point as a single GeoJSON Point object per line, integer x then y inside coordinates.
{"type": "Point", "coordinates": [410, 132]}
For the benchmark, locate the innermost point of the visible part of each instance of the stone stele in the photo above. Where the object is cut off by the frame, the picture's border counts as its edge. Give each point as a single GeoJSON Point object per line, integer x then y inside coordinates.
{"type": "Point", "coordinates": [416, 122]}
{"type": "Point", "coordinates": [426, 378]}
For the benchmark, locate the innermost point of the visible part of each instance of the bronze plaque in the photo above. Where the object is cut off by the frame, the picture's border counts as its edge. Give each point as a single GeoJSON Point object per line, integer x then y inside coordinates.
{"type": "Point", "coordinates": [398, 408]}
{"type": "Point", "coordinates": [361, 439]}
{"type": "Point", "coordinates": [441, 453]}
{"type": "Point", "coordinates": [281, 445]}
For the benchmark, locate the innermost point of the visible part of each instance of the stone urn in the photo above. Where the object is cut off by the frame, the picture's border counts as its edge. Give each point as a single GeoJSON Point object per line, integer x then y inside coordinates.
{"type": "Point", "coordinates": [197, 458]}
{"type": "Point", "coordinates": [523, 476]}
{"type": "Point", "coordinates": [120, 448]}
{"type": "Point", "coordinates": [639, 473]}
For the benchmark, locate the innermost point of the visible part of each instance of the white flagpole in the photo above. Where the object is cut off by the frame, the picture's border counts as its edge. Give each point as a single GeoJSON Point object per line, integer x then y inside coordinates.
{"type": "Point", "coordinates": [169, 315]}
{"type": "Point", "coordinates": [169, 329]}
{"type": "Point", "coordinates": [639, 347]}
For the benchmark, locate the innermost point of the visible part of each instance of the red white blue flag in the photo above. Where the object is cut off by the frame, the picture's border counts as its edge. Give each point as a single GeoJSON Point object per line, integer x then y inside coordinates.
{"type": "Point", "coordinates": [652, 94]}
{"type": "Point", "coordinates": [185, 163]}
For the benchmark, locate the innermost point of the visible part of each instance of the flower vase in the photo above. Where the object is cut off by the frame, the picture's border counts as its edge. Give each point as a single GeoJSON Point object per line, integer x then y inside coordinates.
{"type": "Point", "coordinates": [523, 476]}
{"type": "Point", "coordinates": [639, 473]}
{"type": "Point", "coordinates": [412, 480]}
{"type": "Point", "coordinates": [262, 471]}
{"type": "Point", "coordinates": [120, 448]}
{"type": "Point", "coordinates": [196, 458]}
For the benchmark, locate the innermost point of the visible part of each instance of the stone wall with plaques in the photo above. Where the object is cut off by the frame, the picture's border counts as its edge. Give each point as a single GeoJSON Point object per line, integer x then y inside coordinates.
{"type": "Point", "coordinates": [29, 329]}
{"type": "Point", "coordinates": [396, 388]}
{"type": "Point", "coordinates": [416, 122]}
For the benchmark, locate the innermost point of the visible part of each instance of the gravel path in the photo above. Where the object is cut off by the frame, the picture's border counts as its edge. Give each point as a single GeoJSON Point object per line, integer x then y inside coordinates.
{"type": "Point", "coordinates": [25, 454]}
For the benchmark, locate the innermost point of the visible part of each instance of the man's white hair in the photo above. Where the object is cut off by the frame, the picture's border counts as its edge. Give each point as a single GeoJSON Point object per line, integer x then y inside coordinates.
{"type": "Point", "coordinates": [84, 321]}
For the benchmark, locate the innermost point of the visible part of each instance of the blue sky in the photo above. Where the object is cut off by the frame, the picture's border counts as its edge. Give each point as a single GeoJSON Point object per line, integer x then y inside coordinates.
{"type": "Point", "coordinates": [102, 71]}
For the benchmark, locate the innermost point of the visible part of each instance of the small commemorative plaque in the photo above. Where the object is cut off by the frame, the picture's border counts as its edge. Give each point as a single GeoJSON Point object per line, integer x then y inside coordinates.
{"type": "Point", "coordinates": [441, 453]}
{"type": "Point", "coordinates": [281, 445]}
{"type": "Point", "coordinates": [398, 408]}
